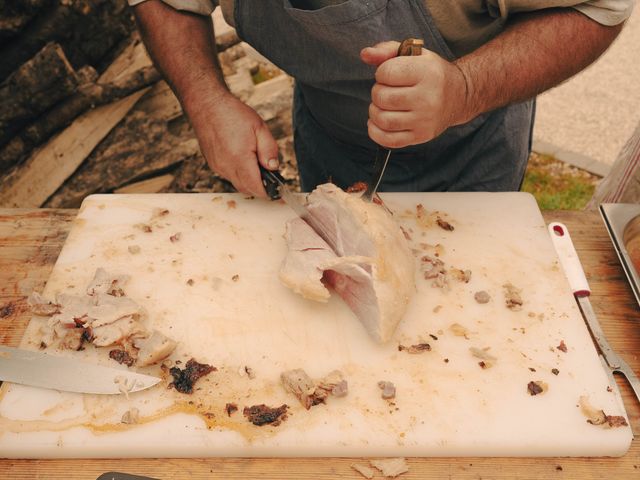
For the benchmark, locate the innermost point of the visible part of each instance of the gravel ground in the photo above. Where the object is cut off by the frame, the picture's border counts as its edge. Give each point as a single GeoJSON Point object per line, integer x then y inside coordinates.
{"type": "Point", "coordinates": [595, 112]}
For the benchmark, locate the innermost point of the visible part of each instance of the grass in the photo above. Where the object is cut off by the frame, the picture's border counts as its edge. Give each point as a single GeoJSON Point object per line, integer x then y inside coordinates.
{"type": "Point", "coordinates": [264, 73]}
{"type": "Point", "coordinates": [556, 185]}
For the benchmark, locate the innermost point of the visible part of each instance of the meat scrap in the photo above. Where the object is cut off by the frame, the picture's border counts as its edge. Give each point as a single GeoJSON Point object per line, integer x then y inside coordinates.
{"type": "Point", "coordinates": [131, 416]}
{"type": "Point", "coordinates": [388, 389]}
{"type": "Point", "coordinates": [562, 347]}
{"type": "Point", "coordinates": [334, 384]}
{"type": "Point", "coordinates": [597, 416]}
{"type": "Point", "coordinates": [418, 348]}
{"type": "Point", "coordinates": [159, 212]}
{"type": "Point", "coordinates": [262, 415]}
{"type": "Point", "coordinates": [486, 359]}
{"type": "Point", "coordinates": [340, 389]}
{"type": "Point", "coordinates": [122, 357]}
{"type": "Point", "coordinates": [105, 282]}
{"type": "Point", "coordinates": [391, 467]}
{"type": "Point", "coordinates": [230, 408]}
{"type": "Point", "coordinates": [175, 237]}
{"type": "Point", "coordinates": [364, 470]}
{"type": "Point", "coordinates": [184, 380]}
{"type": "Point", "coordinates": [41, 306]}
{"type": "Point", "coordinates": [432, 267]}
{"type": "Point", "coordinates": [458, 330]}
{"type": "Point", "coordinates": [460, 275]}
{"type": "Point", "coordinates": [537, 387]}
{"type": "Point", "coordinates": [357, 187]}
{"type": "Point", "coordinates": [106, 317]}
{"type": "Point", "coordinates": [153, 349]}
{"type": "Point", "coordinates": [300, 384]}
{"type": "Point", "coordinates": [73, 339]}
{"type": "Point", "coordinates": [231, 204]}
{"type": "Point", "coordinates": [443, 224]}
{"type": "Point", "coordinates": [512, 297]}
{"type": "Point", "coordinates": [482, 297]}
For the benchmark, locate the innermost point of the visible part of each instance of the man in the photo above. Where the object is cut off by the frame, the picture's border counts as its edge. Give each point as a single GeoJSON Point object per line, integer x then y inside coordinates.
{"type": "Point", "coordinates": [460, 115]}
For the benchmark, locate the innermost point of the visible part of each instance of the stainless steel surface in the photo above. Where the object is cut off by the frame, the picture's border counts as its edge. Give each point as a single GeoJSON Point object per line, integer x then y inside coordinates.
{"type": "Point", "coordinates": [39, 369]}
{"type": "Point", "coordinates": [616, 217]}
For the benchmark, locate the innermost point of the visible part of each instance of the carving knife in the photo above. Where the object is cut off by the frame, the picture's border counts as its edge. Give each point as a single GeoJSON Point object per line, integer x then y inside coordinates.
{"type": "Point", "coordinates": [581, 291]}
{"type": "Point", "coordinates": [39, 369]}
{"type": "Point", "coordinates": [276, 188]}
{"type": "Point", "coordinates": [409, 47]}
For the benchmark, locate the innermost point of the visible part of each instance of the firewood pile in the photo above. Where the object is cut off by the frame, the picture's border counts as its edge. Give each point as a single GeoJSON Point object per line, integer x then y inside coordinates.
{"type": "Point", "coordinates": [83, 110]}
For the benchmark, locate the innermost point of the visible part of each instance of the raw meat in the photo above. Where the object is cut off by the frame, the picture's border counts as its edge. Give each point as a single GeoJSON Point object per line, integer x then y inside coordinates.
{"type": "Point", "coordinates": [364, 257]}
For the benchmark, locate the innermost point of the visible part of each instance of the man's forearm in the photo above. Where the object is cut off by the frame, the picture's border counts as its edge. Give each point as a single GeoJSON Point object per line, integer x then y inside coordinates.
{"type": "Point", "coordinates": [536, 52]}
{"type": "Point", "coordinates": [182, 46]}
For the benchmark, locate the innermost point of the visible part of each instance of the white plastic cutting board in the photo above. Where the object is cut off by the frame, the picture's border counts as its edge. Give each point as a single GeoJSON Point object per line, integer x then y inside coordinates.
{"type": "Point", "coordinates": [446, 403]}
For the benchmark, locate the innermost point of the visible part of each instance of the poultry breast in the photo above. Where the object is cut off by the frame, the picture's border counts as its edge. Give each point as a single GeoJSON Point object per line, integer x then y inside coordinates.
{"type": "Point", "coordinates": [364, 257]}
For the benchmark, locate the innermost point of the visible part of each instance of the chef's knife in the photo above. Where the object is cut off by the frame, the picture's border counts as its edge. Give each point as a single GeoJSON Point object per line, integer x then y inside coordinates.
{"type": "Point", "coordinates": [39, 369]}
{"type": "Point", "coordinates": [270, 178]}
{"type": "Point", "coordinates": [409, 47]}
{"type": "Point", "coordinates": [581, 291]}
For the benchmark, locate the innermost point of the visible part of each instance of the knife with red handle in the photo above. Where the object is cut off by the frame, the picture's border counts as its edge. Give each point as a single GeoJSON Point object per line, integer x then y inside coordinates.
{"type": "Point", "coordinates": [581, 291]}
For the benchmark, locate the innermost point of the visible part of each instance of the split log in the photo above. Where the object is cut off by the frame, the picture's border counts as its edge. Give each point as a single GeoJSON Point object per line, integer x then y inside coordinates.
{"type": "Point", "coordinates": [138, 148]}
{"type": "Point", "coordinates": [90, 95]}
{"type": "Point", "coordinates": [16, 14]}
{"type": "Point", "coordinates": [151, 185]}
{"type": "Point", "coordinates": [195, 176]}
{"type": "Point", "coordinates": [226, 40]}
{"type": "Point", "coordinates": [33, 88]}
{"type": "Point", "coordinates": [30, 184]}
{"type": "Point", "coordinates": [87, 30]}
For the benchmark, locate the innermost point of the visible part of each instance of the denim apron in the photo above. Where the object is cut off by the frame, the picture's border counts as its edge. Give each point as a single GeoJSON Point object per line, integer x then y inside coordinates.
{"type": "Point", "coordinates": [321, 49]}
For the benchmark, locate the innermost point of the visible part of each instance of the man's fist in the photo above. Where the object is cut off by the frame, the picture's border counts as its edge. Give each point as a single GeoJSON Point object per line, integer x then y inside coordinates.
{"type": "Point", "coordinates": [414, 98]}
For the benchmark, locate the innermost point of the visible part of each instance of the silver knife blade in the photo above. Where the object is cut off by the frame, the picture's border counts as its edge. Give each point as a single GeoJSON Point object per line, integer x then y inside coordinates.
{"type": "Point", "coordinates": [292, 201]}
{"type": "Point", "coordinates": [574, 272]}
{"type": "Point", "coordinates": [379, 166]}
{"type": "Point", "coordinates": [615, 363]}
{"type": "Point", "coordinates": [39, 369]}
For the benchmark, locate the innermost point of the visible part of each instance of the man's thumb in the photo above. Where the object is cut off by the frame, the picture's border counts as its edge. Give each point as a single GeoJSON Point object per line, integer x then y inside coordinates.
{"type": "Point", "coordinates": [379, 53]}
{"type": "Point", "coordinates": [267, 148]}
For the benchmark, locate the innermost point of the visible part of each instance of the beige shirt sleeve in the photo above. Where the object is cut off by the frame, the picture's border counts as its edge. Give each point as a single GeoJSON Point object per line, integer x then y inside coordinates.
{"type": "Point", "coordinates": [202, 7]}
{"type": "Point", "coordinates": [606, 12]}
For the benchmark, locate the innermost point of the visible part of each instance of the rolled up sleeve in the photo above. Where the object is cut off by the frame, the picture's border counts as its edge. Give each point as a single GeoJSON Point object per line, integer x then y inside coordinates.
{"type": "Point", "coordinates": [201, 7]}
{"type": "Point", "coordinates": [607, 12]}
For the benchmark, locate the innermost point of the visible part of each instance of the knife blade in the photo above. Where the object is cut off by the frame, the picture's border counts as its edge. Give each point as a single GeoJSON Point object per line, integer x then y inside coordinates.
{"type": "Point", "coordinates": [408, 47]}
{"type": "Point", "coordinates": [270, 178]}
{"type": "Point", "coordinates": [581, 291]}
{"type": "Point", "coordinates": [39, 369]}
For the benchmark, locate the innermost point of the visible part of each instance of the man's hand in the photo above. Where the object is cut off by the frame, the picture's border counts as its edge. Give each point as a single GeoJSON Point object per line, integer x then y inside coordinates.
{"type": "Point", "coordinates": [414, 98]}
{"type": "Point", "coordinates": [233, 138]}
{"type": "Point", "coordinates": [417, 98]}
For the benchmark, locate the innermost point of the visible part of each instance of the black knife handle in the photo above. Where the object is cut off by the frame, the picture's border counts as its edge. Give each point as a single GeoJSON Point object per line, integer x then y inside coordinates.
{"type": "Point", "coordinates": [271, 180]}
{"type": "Point", "coordinates": [122, 476]}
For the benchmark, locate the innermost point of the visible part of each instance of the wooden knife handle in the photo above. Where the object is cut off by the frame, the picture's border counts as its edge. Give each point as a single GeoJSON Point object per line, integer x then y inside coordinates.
{"type": "Point", "coordinates": [410, 47]}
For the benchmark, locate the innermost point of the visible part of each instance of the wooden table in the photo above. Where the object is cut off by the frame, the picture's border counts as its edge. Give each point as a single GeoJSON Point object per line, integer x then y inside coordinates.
{"type": "Point", "coordinates": [30, 241]}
